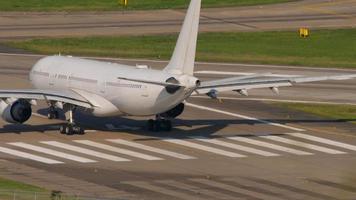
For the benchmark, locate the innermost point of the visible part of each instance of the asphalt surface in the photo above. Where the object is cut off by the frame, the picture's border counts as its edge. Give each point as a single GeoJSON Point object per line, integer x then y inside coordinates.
{"type": "Point", "coordinates": [242, 148]}
{"type": "Point", "coordinates": [288, 16]}
{"type": "Point", "coordinates": [249, 149]}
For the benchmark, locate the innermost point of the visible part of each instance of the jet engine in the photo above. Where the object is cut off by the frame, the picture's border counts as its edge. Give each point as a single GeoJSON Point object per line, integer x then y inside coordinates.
{"type": "Point", "coordinates": [17, 112]}
{"type": "Point", "coordinates": [174, 112]}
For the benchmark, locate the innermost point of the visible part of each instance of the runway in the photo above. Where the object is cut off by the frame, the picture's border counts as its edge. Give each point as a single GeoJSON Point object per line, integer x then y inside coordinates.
{"type": "Point", "coordinates": [289, 16]}
{"type": "Point", "coordinates": [237, 149]}
{"type": "Point", "coordinates": [242, 148]}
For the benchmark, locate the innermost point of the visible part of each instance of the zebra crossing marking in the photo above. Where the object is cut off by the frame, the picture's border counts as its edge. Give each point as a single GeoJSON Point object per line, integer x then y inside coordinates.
{"type": "Point", "coordinates": [235, 146]}
{"type": "Point", "coordinates": [152, 149]}
{"type": "Point", "coordinates": [323, 140]}
{"type": "Point", "coordinates": [117, 150]}
{"type": "Point", "coordinates": [29, 156]}
{"type": "Point", "coordinates": [52, 152]}
{"type": "Point", "coordinates": [269, 145]}
{"type": "Point", "coordinates": [204, 148]}
{"type": "Point", "coordinates": [303, 144]}
{"type": "Point", "coordinates": [85, 151]}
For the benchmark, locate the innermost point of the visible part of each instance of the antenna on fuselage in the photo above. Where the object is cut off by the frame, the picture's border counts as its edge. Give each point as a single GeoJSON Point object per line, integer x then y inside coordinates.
{"type": "Point", "coordinates": [183, 58]}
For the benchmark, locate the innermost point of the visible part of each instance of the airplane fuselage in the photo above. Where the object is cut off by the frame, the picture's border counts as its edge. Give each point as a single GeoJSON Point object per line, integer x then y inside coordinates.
{"type": "Point", "coordinates": [101, 81]}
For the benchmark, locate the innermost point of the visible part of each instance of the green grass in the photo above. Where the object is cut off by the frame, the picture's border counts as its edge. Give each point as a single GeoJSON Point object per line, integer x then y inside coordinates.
{"type": "Point", "coordinates": [325, 48]}
{"type": "Point", "coordinates": [342, 112]}
{"type": "Point", "coordinates": [10, 185]}
{"type": "Point", "coordinates": [74, 5]}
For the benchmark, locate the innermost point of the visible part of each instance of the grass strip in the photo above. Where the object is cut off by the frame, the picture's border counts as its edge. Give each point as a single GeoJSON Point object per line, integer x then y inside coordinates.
{"type": "Point", "coordinates": [325, 48]}
{"type": "Point", "coordinates": [9, 185]}
{"type": "Point", "coordinates": [341, 112]}
{"type": "Point", "coordinates": [102, 5]}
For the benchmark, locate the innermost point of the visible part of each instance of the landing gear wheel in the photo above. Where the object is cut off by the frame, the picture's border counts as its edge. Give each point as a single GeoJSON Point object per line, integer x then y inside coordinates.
{"type": "Point", "coordinates": [62, 129]}
{"type": "Point", "coordinates": [71, 129]}
{"type": "Point", "coordinates": [53, 114]}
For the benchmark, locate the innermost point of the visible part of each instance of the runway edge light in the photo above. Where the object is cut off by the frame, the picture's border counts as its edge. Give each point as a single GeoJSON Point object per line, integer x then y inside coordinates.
{"type": "Point", "coordinates": [304, 32]}
{"type": "Point", "coordinates": [124, 2]}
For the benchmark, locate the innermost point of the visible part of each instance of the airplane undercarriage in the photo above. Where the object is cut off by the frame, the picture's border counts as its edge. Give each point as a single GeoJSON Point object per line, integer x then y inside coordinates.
{"type": "Point", "coordinates": [159, 124]}
{"type": "Point", "coordinates": [71, 127]}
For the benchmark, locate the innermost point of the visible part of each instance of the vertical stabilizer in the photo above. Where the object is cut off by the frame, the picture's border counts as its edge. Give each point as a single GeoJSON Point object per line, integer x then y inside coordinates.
{"type": "Point", "coordinates": [183, 58]}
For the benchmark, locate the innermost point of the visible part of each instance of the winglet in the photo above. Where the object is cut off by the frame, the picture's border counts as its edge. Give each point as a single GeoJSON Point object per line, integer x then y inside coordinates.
{"type": "Point", "coordinates": [183, 58]}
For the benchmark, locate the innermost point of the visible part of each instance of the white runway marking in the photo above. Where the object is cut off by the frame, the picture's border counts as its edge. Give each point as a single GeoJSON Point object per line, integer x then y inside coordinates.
{"type": "Point", "coordinates": [29, 156]}
{"type": "Point", "coordinates": [243, 117]}
{"type": "Point", "coordinates": [269, 145]}
{"type": "Point", "coordinates": [235, 146]}
{"type": "Point", "coordinates": [302, 144]}
{"type": "Point", "coordinates": [277, 100]}
{"type": "Point", "coordinates": [85, 151]}
{"type": "Point", "coordinates": [152, 149]}
{"type": "Point", "coordinates": [325, 141]}
{"type": "Point", "coordinates": [52, 152]}
{"type": "Point", "coordinates": [118, 150]}
{"type": "Point", "coordinates": [204, 148]}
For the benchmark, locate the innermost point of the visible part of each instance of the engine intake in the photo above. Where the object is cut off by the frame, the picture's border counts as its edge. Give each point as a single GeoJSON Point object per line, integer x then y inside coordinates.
{"type": "Point", "coordinates": [172, 88]}
{"type": "Point", "coordinates": [17, 112]}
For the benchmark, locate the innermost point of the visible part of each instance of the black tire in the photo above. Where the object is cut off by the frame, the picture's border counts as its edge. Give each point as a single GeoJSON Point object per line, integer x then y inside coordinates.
{"type": "Point", "coordinates": [56, 114]}
{"type": "Point", "coordinates": [62, 129]}
{"type": "Point", "coordinates": [50, 115]}
{"type": "Point", "coordinates": [81, 131]}
{"type": "Point", "coordinates": [69, 130]}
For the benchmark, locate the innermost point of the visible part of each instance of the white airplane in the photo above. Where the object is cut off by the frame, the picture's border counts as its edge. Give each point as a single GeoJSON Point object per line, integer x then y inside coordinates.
{"type": "Point", "coordinates": [108, 89]}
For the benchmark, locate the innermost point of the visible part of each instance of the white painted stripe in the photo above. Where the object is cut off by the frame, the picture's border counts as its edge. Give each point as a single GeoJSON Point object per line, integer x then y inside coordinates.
{"type": "Point", "coordinates": [277, 100]}
{"type": "Point", "coordinates": [302, 144]}
{"type": "Point", "coordinates": [269, 145]}
{"type": "Point", "coordinates": [52, 152]}
{"type": "Point", "coordinates": [243, 117]}
{"type": "Point", "coordinates": [118, 150]}
{"type": "Point", "coordinates": [235, 146]}
{"type": "Point", "coordinates": [85, 151]}
{"type": "Point", "coordinates": [152, 149]}
{"type": "Point", "coordinates": [29, 156]}
{"type": "Point", "coordinates": [244, 74]}
{"type": "Point", "coordinates": [323, 140]}
{"type": "Point", "coordinates": [204, 148]}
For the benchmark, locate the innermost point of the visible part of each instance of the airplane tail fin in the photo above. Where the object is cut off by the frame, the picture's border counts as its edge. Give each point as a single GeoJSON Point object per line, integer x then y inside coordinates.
{"type": "Point", "coordinates": [183, 58]}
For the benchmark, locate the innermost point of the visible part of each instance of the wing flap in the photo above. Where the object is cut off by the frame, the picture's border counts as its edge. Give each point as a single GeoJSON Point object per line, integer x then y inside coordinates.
{"type": "Point", "coordinates": [258, 82]}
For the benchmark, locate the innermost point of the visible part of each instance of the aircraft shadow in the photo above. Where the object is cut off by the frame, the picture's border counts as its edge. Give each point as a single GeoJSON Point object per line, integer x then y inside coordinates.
{"type": "Point", "coordinates": [182, 127]}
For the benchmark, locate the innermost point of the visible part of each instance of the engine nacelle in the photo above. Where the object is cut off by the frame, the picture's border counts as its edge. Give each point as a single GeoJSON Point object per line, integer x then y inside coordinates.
{"type": "Point", "coordinates": [174, 112]}
{"type": "Point", "coordinates": [17, 112]}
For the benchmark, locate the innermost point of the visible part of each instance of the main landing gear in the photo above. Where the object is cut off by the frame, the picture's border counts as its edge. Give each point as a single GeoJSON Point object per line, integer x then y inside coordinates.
{"type": "Point", "coordinates": [53, 113]}
{"type": "Point", "coordinates": [71, 128]}
{"type": "Point", "coordinates": [159, 124]}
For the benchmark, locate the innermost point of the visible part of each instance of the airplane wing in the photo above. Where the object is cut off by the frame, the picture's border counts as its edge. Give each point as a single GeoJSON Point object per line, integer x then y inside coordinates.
{"type": "Point", "coordinates": [244, 83]}
{"type": "Point", "coordinates": [64, 96]}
